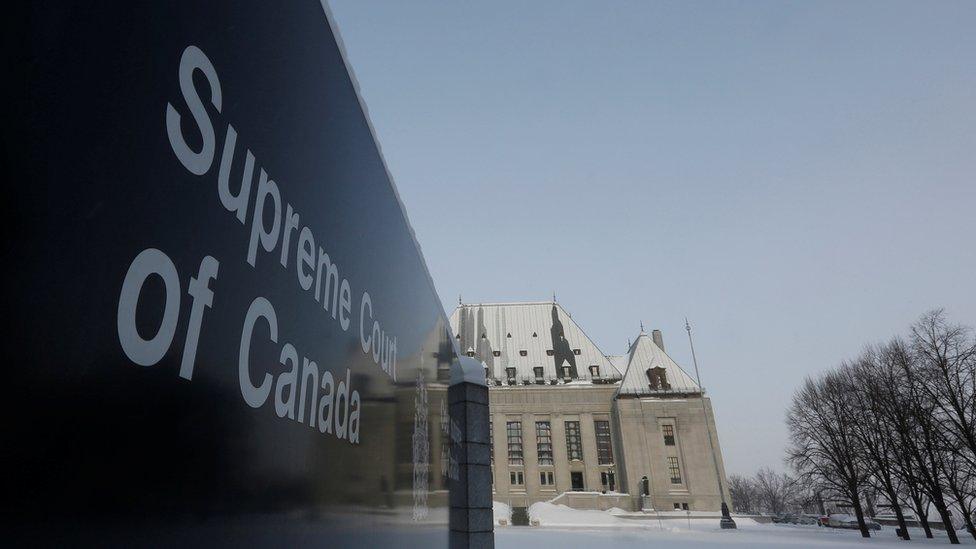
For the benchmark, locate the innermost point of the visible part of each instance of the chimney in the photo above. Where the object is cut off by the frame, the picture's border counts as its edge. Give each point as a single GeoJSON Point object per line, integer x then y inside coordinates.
{"type": "Point", "coordinates": [658, 338]}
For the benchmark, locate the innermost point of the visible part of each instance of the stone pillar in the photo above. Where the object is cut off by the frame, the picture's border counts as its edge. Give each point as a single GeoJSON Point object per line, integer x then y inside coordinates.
{"type": "Point", "coordinates": [471, 518]}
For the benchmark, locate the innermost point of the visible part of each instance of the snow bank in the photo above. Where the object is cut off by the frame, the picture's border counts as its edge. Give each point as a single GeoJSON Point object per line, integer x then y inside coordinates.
{"type": "Point", "coordinates": [502, 512]}
{"type": "Point", "coordinates": [554, 514]}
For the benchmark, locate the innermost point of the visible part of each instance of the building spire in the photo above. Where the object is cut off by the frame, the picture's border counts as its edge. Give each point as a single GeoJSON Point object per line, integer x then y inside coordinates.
{"type": "Point", "coordinates": [642, 326]}
{"type": "Point", "coordinates": [554, 296]}
{"type": "Point", "coordinates": [459, 300]}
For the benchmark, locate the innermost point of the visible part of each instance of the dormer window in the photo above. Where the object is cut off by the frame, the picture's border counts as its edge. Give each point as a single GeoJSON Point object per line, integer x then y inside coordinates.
{"type": "Point", "coordinates": [523, 352]}
{"type": "Point", "coordinates": [595, 371]}
{"type": "Point", "coordinates": [550, 352]}
{"type": "Point", "coordinates": [470, 353]}
{"type": "Point", "coordinates": [566, 373]}
{"type": "Point", "coordinates": [538, 374]}
{"type": "Point", "coordinates": [510, 374]}
{"type": "Point", "coordinates": [657, 378]}
{"type": "Point", "coordinates": [535, 334]}
{"type": "Point", "coordinates": [577, 352]}
{"type": "Point", "coordinates": [484, 336]}
{"type": "Point", "coordinates": [457, 336]}
{"type": "Point", "coordinates": [509, 336]}
{"type": "Point", "coordinates": [496, 353]}
{"type": "Point", "coordinates": [487, 375]}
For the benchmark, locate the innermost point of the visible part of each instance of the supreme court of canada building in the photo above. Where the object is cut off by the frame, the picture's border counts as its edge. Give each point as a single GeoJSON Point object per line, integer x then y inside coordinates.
{"type": "Point", "coordinates": [574, 425]}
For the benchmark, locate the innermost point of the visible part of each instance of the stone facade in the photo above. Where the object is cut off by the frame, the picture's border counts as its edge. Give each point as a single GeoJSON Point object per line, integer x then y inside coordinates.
{"type": "Point", "coordinates": [640, 426]}
{"type": "Point", "coordinates": [589, 432]}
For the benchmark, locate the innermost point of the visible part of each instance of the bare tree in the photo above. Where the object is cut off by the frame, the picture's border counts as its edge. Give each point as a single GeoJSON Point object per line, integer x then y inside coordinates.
{"type": "Point", "coordinates": [745, 495]}
{"type": "Point", "coordinates": [945, 356]}
{"type": "Point", "coordinates": [924, 441]}
{"type": "Point", "coordinates": [894, 411]}
{"type": "Point", "coordinates": [868, 379]}
{"type": "Point", "coordinates": [897, 426]}
{"type": "Point", "coordinates": [961, 482]}
{"type": "Point", "coordinates": [823, 448]}
{"type": "Point", "coordinates": [772, 492]}
{"type": "Point", "coordinates": [776, 490]}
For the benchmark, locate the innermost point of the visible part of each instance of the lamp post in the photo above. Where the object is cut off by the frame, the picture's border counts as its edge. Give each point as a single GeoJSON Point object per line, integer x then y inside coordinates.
{"type": "Point", "coordinates": [726, 522]}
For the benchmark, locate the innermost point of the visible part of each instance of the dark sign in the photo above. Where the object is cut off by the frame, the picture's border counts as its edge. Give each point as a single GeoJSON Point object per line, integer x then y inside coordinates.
{"type": "Point", "coordinates": [220, 328]}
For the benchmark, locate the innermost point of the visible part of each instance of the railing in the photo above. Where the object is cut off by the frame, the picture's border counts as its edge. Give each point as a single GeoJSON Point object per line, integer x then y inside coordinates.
{"type": "Point", "coordinates": [673, 391]}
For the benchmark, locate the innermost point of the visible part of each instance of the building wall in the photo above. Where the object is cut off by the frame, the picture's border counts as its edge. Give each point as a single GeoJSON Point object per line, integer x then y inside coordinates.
{"type": "Point", "coordinates": [556, 404]}
{"type": "Point", "coordinates": [639, 447]}
{"type": "Point", "coordinates": [640, 422]}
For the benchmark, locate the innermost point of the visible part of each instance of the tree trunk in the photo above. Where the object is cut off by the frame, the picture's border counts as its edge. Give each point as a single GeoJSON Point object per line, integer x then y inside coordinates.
{"type": "Point", "coordinates": [924, 519]}
{"type": "Point", "coordinates": [940, 506]}
{"type": "Point", "coordinates": [901, 523]}
{"type": "Point", "coordinates": [893, 498]}
{"type": "Point", "coordinates": [859, 513]}
{"type": "Point", "coordinates": [960, 501]}
{"type": "Point", "coordinates": [923, 516]}
{"type": "Point", "coordinates": [969, 524]}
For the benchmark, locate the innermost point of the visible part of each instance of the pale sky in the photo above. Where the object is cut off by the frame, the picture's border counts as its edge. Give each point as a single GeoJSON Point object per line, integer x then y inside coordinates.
{"type": "Point", "coordinates": [799, 179]}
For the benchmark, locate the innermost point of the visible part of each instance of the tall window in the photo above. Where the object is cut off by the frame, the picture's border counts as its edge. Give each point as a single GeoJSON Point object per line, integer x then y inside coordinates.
{"type": "Point", "coordinates": [673, 470]}
{"type": "Point", "coordinates": [668, 435]}
{"type": "Point", "coordinates": [538, 374]}
{"type": "Point", "coordinates": [574, 449]}
{"type": "Point", "coordinates": [595, 371]}
{"type": "Point", "coordinates": [604, 449]}
{"type": "Point", "coordinates": [543, 441]}
{"type": "Point", "coordinates": [514, 433]}
{"type": "Point", "coordinates": [491, 441]}
{"type": "Point", "coordinates": [510, 374]}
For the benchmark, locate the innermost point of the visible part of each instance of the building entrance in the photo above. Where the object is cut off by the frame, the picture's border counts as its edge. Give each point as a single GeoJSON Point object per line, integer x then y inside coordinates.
{"type": "Point", "coordinates": [577, 479]}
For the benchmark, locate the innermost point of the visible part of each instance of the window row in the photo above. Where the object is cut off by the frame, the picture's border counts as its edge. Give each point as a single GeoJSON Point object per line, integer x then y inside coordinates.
{"type": "Point", "coordinates": [543, 441]}
{"type": "Point", "coordinates": [522, 352]}
{"type": "Point", "coordinates": [538, 373]}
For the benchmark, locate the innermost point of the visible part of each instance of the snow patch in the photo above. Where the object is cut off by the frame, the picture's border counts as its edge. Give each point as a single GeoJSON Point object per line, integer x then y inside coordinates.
{"type": "Point", "coordinates": [554, 514]}
{"type": "Point", "coordinates": [502, 512]}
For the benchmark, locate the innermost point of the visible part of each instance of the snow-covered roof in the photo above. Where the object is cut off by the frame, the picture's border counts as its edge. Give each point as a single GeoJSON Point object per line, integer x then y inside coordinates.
{"type": "Point", "coordinates": [527, 336]}
{"type": "Point", "coordinates": [644, 356]}
{"type": "Point", "coordinates": [541, 334]}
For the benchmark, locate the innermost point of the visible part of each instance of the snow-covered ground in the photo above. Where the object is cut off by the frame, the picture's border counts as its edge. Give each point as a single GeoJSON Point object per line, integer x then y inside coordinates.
{"type": "Point", "coordinates": [563, 528]}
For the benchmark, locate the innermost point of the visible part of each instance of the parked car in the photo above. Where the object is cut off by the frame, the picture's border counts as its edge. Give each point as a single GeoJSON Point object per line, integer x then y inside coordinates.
{"type": "Point", "coordinates": [850, 521]}
{"type": "Point", "coordinates": [807, 519]}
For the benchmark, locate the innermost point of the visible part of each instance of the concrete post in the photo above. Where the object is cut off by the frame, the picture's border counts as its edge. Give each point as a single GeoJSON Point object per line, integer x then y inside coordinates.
{"type": "Point", "coordinates": [471, 518]}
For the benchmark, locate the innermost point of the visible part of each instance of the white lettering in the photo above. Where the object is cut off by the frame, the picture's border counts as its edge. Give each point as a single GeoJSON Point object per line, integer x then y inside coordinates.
{"type": "Point", "coordinates": [147, 352]}
{"type": "Point", "coordinates": [255, 396]}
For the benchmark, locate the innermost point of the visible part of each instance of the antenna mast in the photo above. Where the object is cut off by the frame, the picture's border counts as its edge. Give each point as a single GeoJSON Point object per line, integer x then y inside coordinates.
{"type": "Point", "coordinates": [693, 357]}
{"type": "Point", "coordinates": [727, 522]}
